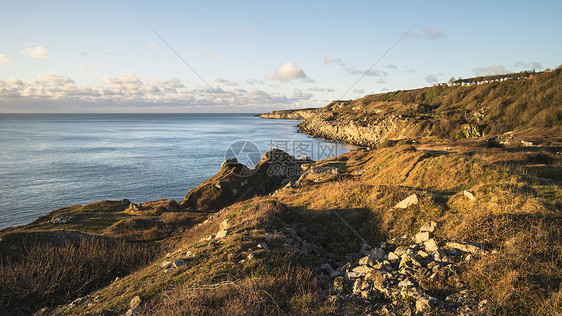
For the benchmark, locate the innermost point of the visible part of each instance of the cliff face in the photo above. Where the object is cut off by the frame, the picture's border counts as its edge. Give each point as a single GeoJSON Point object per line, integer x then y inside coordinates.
{"type": "Point", "coordinates": [301, 114]}
{"type": "Point", "coordinates": [441, 112]}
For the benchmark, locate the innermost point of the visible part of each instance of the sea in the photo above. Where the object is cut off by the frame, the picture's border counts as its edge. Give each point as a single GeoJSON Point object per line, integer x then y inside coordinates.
{"type": "Point", "coordinates": [49, 161]}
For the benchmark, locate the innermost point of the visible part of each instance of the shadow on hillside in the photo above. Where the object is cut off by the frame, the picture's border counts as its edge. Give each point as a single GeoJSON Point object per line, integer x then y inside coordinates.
{"type": "Point", "coordinates": [341, 231]}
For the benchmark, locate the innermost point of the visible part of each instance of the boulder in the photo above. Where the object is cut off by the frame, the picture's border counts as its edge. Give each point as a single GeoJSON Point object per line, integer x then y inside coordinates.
{"type": "Point", "coordinates": [424, 304]}
{"type": "Point", "coordinates": [221, 233]}
{"type": "Point", "coordinates": [466, 247]}
{"type": "Point", "coordinates": [429, 227]}
{"type": "Point", "coordinates": [135, 302]}
{"type": "Point", "coordinates": [179, 262]}
{"type": "Point", "coordinates": [155, 207]}
{"type": "Point", "coordinates": [421, 237]}
{"type": "Point", "coordinates": [430, 245]}
{"type": "Point", "coordinates": [469, 195]}
{"type": "Point", "coordinates": [224, 224]}
{"type": "Point", "coordinates": [411, 200]}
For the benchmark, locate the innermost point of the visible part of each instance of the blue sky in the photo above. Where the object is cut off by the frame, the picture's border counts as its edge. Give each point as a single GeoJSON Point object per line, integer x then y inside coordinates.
{"type": "Point", "coordinates": [253, 56]}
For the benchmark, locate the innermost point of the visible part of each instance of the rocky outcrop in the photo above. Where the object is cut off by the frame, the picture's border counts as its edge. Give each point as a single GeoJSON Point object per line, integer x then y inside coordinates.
{"type": "Point", "coordinates": [300, 114]}
{"type": "Point", "coordinates": [365, 123]}
{"type": "Point", "coordinates": [154, 207]}
{"type": "Point", "coordinates": [235, 182]}
{"type": "Point", "coordinates": [400, 278]}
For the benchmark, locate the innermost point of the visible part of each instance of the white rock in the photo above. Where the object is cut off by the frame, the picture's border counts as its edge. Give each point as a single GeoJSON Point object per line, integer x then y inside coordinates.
{"type": "Point", "coordinates": [421, 237]}
{"type": "Point", "coordinates": [411, 200]}
{"type": "Point", "coordinates": [135, 302]}
{"type": "Point", "coordinates": [466, 247]}
{"type": "Point", "coordinates": [190, 254]}
{"type": "Point", "coordinates": [251, 256]}
{"type": "Point", "coordinates": [430, 245]}
{"type": "Point", "coordinates": [469, 195]}
{"type": "Point", "coordinates": [393, 257]}
{"type": "Point", "coordinates": [165, 264]}
{"type": "Point", "coordinates": [424, 304]}
{"type": "Point", "coordinates": [405, 283]}
{"type": "Point", "coordinates": [221, 234]}
{"type": "Point", "coordinates": [363, 269]}
{"type": "Point", "coordinates": [224, 224]}
{"type": "Point", "coordinates": [357, 286]}
{"type": "Point", "coordinates": [263, 246]}
{"type": "Point", "coordinates": [429, 227]}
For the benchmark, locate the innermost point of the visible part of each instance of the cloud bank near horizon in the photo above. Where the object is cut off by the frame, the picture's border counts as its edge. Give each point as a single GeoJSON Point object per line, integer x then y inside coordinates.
{"type": "Point", "coordinates": [126, 92]}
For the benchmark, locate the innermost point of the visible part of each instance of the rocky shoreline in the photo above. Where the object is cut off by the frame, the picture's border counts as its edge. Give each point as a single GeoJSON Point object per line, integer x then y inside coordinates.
{"type": "Point", "coordinates": [298, 114]}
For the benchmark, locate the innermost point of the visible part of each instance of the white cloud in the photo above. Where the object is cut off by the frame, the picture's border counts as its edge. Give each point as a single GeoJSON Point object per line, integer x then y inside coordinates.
{"type": "Point", "coordinates": [360, 91]}
{"type": "Point", "coordinates": [4, 59]}
{"type": "Point", "coordinates": [287, 72]}
{"type": "Point", "coordinates": [391, 66]}
{"type": "Point", "coordinates": [534, 65]}
{"type": "Point", "coordinates": [431, 78]}
{"type": "Point", "coordinates": [381, 81]}
{"type": "Point", "coordinates": [153, 45]}
{"type": "Point", "coordinates": [252, 81]}
{"type": "Point", "coordinates": [353, 70]}
{"type": "Point", "coordinates": [426, 32]}
{"type": "Point", "coordinates": [299, 94]}
{"type": "Point", "coordinates": [320, 89]}
{"type": "Point", "coordinates": [208, 54]}
{"type": "Point", "coordinates": [226, 82]}
{"type": "Point", "coordinates": [37, 52]}
{"type": "Point", "coordinates": [330, 60]}
{"type": "Point", "coordinates": [127, 93]}
{"type": "Point", "coordinates": [86, 68]}
{"type": "Point", "coordinates": [54, 79]}
{"type": "Point", "coordinates": [490, 70]}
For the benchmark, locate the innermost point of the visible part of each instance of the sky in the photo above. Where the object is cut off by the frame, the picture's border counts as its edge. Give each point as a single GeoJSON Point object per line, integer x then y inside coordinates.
{"type": "Point", "coordinates": [256, 56]}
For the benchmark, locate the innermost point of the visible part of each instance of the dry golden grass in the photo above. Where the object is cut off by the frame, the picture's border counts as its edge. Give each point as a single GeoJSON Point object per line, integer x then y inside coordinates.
{"type": "Point", "coordinates": [288, 289]}
{"type": "Point", "coordinates": [40, 274]}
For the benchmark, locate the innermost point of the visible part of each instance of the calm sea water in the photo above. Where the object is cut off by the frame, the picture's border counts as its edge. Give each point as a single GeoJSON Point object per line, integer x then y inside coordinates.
{"type": "Point", "coordinates": [48, 161]}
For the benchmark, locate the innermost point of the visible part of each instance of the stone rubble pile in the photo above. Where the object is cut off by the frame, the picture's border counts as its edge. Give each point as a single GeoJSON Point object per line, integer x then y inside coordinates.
{"type": "Point", "coordinates": [393, 280]}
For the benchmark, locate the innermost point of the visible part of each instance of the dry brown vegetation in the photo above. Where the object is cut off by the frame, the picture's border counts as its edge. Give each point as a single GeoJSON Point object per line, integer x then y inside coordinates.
{"type": "Point", "coordinates": [42, 274]}
{"type": "Point", "coordinates": [516, 217]}
{"type": "Point", "coordinates": [287, 289]}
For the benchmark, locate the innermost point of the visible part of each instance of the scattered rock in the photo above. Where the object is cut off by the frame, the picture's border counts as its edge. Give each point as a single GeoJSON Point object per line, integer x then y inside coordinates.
{"type": "Point", "coordinates": [251, 256]}
{"type": "Point", "coordinates": [430, 245]}
{"type": "Point", "coordinates": [135, 302]}
{"type": "Point", "coordinates": [469, 195]}
{"type": "Point", "coordinates": [527, 143]}
{"type": "Point", "coordinates": [263, 246]}
{"type": "Point", "coordinates": [224, 223]}
{"type": "Point", "coordinates": [421, 237]}
{"type": "Point", "coordinates": [466, 247]}
{"type": "Point", "coordinates": [411, 200]}
{"type": "Point", "coordinates": [62, 219]}
{"type": "Point", "coordinates": [179, 262]}
{"type": "Point", "coordinates": [165, 263]}
{"type": "Point", "coordinates": [429, 227]}
{"type": "Point", "coordinates": [221, 234]}
{"type": "Point", "coordinates": [424, 304]}
{"type": "Point", "coordinates": [189, 254]}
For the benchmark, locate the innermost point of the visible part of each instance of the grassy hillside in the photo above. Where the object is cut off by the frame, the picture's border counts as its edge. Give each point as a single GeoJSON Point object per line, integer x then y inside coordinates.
{"type": "Point", "coordinates": [433, 221]}
{"type": "Point", "coordinates": [442, 112]}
